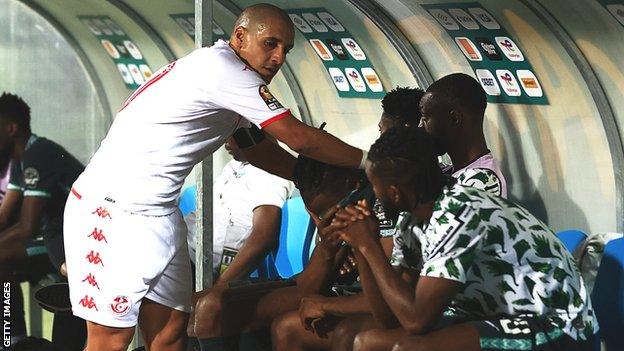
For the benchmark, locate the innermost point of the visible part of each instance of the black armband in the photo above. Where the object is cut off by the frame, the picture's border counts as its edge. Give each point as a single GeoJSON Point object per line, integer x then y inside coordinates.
{"type": "Point", "coordinates": [248, 137]}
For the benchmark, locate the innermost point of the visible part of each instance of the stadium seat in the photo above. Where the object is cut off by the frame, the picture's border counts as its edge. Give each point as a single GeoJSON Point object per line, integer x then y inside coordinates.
{"type": "Point", "coordinates": [187, 200]}
{"type": "Point", "coordinates": [571, 238]}
{"type": "Point", "coordinates": [608, 295]}
{"type": "Point", "coordinates": [296, 232]}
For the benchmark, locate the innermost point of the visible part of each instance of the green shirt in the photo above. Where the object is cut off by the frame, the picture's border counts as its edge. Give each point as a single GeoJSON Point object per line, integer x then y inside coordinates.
{"type": "Point", "coordinates": [509, 261]}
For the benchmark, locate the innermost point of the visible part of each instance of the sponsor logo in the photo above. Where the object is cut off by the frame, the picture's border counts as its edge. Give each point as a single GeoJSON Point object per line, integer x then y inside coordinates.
{"type": "Point", "coordinates": [300, 23]}
{"type": "Point", "coordinates": [331, 22]}
{"type": "Point", "coordinates": [133, 49]}
{"type": "Point", "coordinates": [135, 72]}
{"type": "Point", "coordinates": [103, 27]}
{"type": "Point", "coordinates": [122, 49]}
{"type": "Point", "coordinates": [90, 279]}
{"type": "Point", "coordinates": [468, 48]}
{"type": "Point", "coordinates": [97, 235]}
{"type": "Point", "coordinates": [321, 50]}
{"type": "Point", "coordinates": [110, 48]}
{"type": "Point", "coordinates": [102, 213]}
{"type": "Point", "coordinates": [444, 19]}
{"type": "Point", "coordinates": [355, 79]}
{"type": "Point", "coordinates": [489, 49]}
{"type": "Point", "coordinates": [145, 71]}
{"type": "Point", "coordinates": [94, 258]}
{"type": "Point", "coordinates": [488, 82]}
{"type": "Point", "coordinates": [92, 27]}
{"type": "Point", "coordinates": [120, 306]}
{"type": "Point", "coordinates": [617, 10]}
{"type": "Point", "coordinates": [186, 26]}
{"type": "Point", "coordinates": [125, 73]}
{"type": "Point", "coordinates": [340, 80]}
{"type": "Point", "coordinates": [268, 98]}
{"type": "Point", "coordinates": [315, 22]}
{"type": "Point", "coordinates": [115, 28]}
{"type": "Point", "coordinates": [337, 49]}
{"type": "Point", "coordinates": [372, 80]}
{"type": "Point", "coordinates": [509, 48]}
{"type": "Point", "coordinates": [88, 302]}
{"type": "Point", "coordinates": [529, 83]}
{"type": "Point", "coordinates": [31, 177]}
{"type": "Point", "coordinates": [508, 82]}
{"type": "Point", "coordinates": [484, 18]}
{"type": "Point", "coordinates": [354, 49]}
{"type": "Point", "coordinates": [464, 18]}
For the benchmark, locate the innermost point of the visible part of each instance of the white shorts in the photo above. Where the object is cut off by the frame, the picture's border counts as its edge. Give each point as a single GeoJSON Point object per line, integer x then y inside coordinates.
{"type": "Point", "coordinates": [115, 259]}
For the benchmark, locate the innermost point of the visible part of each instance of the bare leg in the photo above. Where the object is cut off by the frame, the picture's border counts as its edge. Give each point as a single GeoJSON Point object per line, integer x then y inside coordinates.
{"type": "Point", "coordinates": [346, 331]}
{"type": "Point", "coordinates": [378, 339]}
{"type": "Point", "coordinates": [163, 328]}
{"type": "Point", "coordinates": [461, 337]}
{"type": "Point", "coordinates": [101, 337]}
{"type": "Point", "coordinates": [287, 333]}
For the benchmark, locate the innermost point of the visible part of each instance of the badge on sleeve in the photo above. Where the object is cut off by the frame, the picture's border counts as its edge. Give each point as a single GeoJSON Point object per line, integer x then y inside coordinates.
{"type": "Point", "coordinates": [31, 177]}
{"type": "Point", "coordinates": [269, 99]}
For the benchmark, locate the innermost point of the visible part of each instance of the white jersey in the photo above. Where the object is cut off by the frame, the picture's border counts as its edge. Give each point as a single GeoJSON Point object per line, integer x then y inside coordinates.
{"type": "Point", "coordinates": [185, 112]}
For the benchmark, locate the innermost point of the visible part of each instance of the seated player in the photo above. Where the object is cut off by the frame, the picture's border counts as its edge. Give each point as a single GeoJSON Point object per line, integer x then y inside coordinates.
{"type": "Point", "coordinates": [453, 110]}
{"type": "Point", "coordinates": [215, 316]}
{"type": "Point", "coordinates": [488, 274]}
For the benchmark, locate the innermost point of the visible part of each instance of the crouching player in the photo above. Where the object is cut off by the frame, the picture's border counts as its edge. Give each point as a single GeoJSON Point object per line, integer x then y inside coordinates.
{"type": "Point", "coordinates": [489, 275]}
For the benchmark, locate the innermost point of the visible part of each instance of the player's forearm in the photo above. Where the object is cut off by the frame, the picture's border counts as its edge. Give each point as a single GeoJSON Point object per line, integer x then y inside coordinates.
{"type": "Point", "coordinates": [346, 305]}
{"type": "Point", "coordinates": [249, 257]}
{"type": "Point", "coordinates": [376, 303]}
{"type": "Point", "coordinates": [321, 268]}
{"type": "Point", "coordinates": [325, 147]}
{"type": "Point", "coordinates": [396, 292]}
{"type": "Point", "coordinates": [272, 158]}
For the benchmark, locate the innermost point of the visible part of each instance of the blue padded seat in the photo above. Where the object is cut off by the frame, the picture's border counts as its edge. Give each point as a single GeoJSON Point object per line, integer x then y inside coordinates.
{"type": "Point", "coordinates": [296, 232]}
{"type": "Point", "coordinates": [571, 238]}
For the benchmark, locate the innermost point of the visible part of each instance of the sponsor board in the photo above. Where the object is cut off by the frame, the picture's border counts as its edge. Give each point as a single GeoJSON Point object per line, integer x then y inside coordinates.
{"type": "Point", "coordinates": [146, 72]}
{"type": "Point", "coordinates": [617, 10]}
{"type": "Point", "coordinates": [488, 82]}
{"type": "Point", "coordinates": [135, 72]}
{"type": "Point", "coordinates": [110, 48]}
{"type": "Point", "coordinates": [186, 26]}
{"type": "Point", "coordinates": [468, 48]}
{"type": "Point", "coordinates": [125, 73]}
{"type": "Point", "coordinates": [339, 79]}
{"type": "Point", "coordinates": [92, 27]}
{"type": "Point", "coordinates": [300, 23]}
{"type": "Point", "coordinates": [488, 48]}
{"type": "Point", "coordinates": [114, 27]}
{"type": "Point", "coordinates": [133, 50]}
{"type": "Point", "coordinates": [103, 27]}
{"type": "Point", "coordinates": [337, 49]}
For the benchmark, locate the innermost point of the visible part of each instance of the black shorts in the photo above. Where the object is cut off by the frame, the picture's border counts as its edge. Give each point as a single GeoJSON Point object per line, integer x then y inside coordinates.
{"type": "Point", "coordinates": [534, 333]}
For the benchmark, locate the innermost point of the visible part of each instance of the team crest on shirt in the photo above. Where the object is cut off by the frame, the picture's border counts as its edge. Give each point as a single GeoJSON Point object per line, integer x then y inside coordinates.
{"type": "Point", "coordinates": [31, 176]}
{"type": "Point", "coordinates": [269, 99]}
{"type": "Point", "coordinates": [120, 306]}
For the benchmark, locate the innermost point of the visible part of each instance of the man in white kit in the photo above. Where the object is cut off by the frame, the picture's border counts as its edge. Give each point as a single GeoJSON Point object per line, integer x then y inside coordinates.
{"type": "Point", "coordinates": [125, 240]}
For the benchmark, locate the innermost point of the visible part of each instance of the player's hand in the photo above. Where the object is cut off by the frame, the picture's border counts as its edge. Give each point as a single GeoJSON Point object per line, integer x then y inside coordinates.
{"type": "Point", "coordinates": [310, 309]}
{"type": "Point", "coordinates": [349, 265]}
{"type": "Point", "coordinates": [362, 226]}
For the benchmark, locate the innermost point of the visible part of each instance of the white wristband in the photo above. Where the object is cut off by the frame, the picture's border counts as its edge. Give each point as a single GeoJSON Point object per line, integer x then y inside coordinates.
{"type": "Point", "coordinates": [363, 161]}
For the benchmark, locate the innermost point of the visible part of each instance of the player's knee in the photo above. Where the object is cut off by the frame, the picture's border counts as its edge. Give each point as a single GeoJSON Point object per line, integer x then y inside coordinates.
{"type": "Point", "coordinates": [363, 341]}
{"type": "Point", "coordinates": [208, 316]}
{"type": "Point", "coordinates": [283, 328]}
{"type": "Point", "coordinates": [413, 343]}
{"type": "Point", "coordinates": [345, 332]}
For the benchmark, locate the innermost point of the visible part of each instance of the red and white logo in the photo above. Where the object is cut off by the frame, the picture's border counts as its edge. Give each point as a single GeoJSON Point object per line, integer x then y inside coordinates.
{"type": "Point", "coordinates": [102, 212]}
{"type": "Point", "coordinates": [508, 82]}
{"type": "Point", "coordinates": [94, 258]}
{"type": "Point", "coordinates": [97, 234]}
{"type": "Point", "coordinates": [88, 302]}
{"type": "Point", "coordinates": [355, 79]}
{"type": "Point", "coordinates": [120, 306]}
{"type": "Point", "coordinates": [354, 49]}
{"type": "Point", "coordinates": [509, 48]}
{"type": "Point", "coordinates": [91, 280]}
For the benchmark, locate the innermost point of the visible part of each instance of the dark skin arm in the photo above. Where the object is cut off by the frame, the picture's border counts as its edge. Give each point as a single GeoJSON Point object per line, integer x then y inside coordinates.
{"type": "Point", "coordinates": [418, 309]}
{"type": "Point", "coordinates": [302, 139]}
{"type": "Point", "coordinates": [264, 237]}
{"type": "Point", "coordinates": [29, 221]}
{"type": "Point", "coordinates": [9, 206]}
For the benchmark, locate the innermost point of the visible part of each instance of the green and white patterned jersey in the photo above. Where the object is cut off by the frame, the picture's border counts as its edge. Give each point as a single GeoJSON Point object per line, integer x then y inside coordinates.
{"type": "Point", "coordinates": [509, 261]}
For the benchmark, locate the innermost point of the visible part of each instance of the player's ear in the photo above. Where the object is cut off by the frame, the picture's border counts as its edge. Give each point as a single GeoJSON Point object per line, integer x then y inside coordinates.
{"type": "Point", "coordinates": [12, 128]}
{"type": "Point", "coordinates": [239, 36]}
{"type": "Point", "coordinates": [394, 194]}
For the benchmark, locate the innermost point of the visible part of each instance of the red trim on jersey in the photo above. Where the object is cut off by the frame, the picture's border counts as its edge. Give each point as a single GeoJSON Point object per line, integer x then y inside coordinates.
{"type": "Point", "coordinates": [76, 194]}
{"type": "Point", "coordinates": [275, 118]}
{"type": "Point", "coordinates": [152, 80]}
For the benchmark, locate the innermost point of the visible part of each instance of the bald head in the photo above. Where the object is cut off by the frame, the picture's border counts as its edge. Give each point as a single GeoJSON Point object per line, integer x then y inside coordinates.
{"type": "Point", "coordinates": [263, 34]}
{"type": "Point", "coordinates": [254, 17]}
